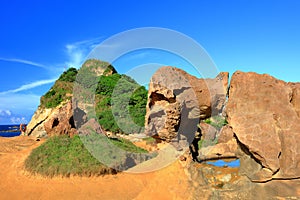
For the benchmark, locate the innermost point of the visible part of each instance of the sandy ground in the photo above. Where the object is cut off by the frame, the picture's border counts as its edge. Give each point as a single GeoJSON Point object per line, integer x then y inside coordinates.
{"type": "Point", "coordinates": [15, 183]}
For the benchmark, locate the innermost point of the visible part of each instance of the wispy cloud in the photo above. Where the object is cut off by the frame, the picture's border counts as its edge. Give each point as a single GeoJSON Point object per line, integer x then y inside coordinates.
{"type": "Point", "coordinates": [78, 51]}
{"type": "Point", "coordinates": [27, 62]}
{"type": "Point", "coordinates": [28, 86]}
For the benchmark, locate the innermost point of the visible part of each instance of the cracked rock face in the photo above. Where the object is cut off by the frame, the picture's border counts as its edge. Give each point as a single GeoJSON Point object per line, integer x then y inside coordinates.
{"type": "Point", "coordinates": [264, 115]}
{"type": "Point", "coordinates": [53, 121]}
{"type": "Point", "coordinates": [178, 100]}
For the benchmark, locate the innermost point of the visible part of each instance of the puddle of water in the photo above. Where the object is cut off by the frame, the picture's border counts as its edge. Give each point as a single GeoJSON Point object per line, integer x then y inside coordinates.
{"type": "Point", "coordinates": [222, 163]}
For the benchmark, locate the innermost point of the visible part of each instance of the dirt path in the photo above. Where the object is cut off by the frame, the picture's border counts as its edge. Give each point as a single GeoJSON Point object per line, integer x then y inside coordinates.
{"type": "Point", "coordinates": [15, 183]}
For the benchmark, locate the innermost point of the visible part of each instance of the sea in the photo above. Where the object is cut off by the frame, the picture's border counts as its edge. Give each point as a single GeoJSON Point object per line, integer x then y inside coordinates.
{"type": "Point", "coordinates": [9, 130]}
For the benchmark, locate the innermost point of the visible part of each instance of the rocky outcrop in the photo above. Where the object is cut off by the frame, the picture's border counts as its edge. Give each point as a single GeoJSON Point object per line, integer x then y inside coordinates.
{"type": "Point", "coordinates": [177, 101]}
{"type": "Point", "coordinates": [61, 121]}
{"type": "Point", "coordinates": [66, 114]}
{"type": "Point", "coordinates": [36, 125]}
{"type": "Point", "coordinates": [53, 121]}
{"type": "Point", "coordinates": [264, 115]}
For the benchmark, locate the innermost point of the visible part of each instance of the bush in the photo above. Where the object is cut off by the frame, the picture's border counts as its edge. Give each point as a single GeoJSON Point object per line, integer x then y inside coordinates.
{"type": "Point", "coordinates": [69, 75]}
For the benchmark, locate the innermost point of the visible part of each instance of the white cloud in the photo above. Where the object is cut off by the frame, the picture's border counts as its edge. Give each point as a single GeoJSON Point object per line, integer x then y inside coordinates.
{"type": "Point", "coordinates": [29, 86]}
{"type": "Point", "coordinates": [16, 107]}
{"type": "Point", "coordinates": [5, 113]}
{"type": "Point", "coordinates": [78, 51]}
{"type": "Point", "coordinates": [18, 120]}
{"type": "Point", "coordinates": [28, 62]}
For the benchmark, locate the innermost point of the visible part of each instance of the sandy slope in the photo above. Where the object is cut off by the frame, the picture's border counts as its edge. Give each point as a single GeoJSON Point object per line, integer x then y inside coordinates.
{"type": "Point", "coordinates": [15, 183]}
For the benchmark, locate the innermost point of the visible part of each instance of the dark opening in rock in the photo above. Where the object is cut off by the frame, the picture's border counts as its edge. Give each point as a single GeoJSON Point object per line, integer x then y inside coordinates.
{"type": "Point", "coordinates": [55, 122]}
{"type": "Point", "coordinates": [71, 122]}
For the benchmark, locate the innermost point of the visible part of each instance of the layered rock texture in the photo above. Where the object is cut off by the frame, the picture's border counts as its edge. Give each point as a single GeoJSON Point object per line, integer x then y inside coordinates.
{"type": "Point", "coordinates": [178, 100]}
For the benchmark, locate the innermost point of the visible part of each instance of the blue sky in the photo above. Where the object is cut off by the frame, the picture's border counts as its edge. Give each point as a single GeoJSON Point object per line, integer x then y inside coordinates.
{"type": "Point", "coordinates": [39, 39]}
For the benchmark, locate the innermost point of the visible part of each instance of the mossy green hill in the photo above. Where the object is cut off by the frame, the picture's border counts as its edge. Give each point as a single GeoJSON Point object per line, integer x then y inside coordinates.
{"type": "Point", "coordinates": [109, 83]}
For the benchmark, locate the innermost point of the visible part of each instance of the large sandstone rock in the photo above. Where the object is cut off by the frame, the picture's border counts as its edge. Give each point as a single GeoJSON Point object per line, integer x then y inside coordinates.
{"type": "Point", "coordinates": [54, 121]}
{"type": "Point", "coordinates": [264, 115]}
{"type": "Point", "coordinates": [177, 101]}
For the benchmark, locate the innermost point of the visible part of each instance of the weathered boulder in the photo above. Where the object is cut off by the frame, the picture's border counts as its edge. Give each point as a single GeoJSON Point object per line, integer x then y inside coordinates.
{"type": "Point", "coordinates": [178, 100]}
{"type": "Point", "coordinates": [54, 121]}
{"type": "Point", "coordinates": [208, 131]}
{"type": "Point", "coordinates": [264, 115]}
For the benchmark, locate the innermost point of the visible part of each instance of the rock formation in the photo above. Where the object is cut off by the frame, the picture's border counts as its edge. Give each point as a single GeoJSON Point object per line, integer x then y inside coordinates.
{"type": "Point", "coordinates": [264, 115]}
{"type": "Point", "coordinates": [66, 116]}
{"type": "Point", "coordinates": [263, 130]}
{"type": "Point", "coordinates": [53, 121]}
{"type": "Point", "coordinates": [177, 101]}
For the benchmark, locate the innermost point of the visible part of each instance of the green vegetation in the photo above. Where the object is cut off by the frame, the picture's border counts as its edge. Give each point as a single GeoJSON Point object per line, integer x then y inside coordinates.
{"type": "Point", "coordinates": [65, 156]}
{"type": "Point", "coordinates": [69, 75]}
{"type": "Point", "coordinates": [127, 97]}
{"type": "Point", "coordinates": [61, 90]}
{"type": "Point", "coordinates": [127, 145]}
{"type": "Point", "coordinates": [129, 100]}
{"type": "Point", "coordinates": [61, 155]}
{"type": "Point", "coordinates": [216, 121]}
{"type": "Point", "coordinates": [116, 96]}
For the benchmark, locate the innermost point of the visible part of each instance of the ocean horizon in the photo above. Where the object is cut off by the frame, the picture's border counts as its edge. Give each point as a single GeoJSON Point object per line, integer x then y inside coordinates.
{"type": "Point", "coordinates": [10, 130]}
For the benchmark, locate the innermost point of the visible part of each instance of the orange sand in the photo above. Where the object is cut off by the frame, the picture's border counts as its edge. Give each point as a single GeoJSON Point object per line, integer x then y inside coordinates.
{"type": "Point", "coordinates": [15, 183]}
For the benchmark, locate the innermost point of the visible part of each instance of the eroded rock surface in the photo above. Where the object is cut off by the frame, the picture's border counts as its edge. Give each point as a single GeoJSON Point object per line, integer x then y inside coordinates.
{"type": "Point", "coordinates": [177, 101]}
{"type": "Point", "coordinates": [264, 115]}
{"type": "Point", "coordinates": [53, 121]}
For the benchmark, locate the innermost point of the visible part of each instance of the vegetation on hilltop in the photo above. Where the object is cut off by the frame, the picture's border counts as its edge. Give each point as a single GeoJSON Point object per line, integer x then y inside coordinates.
{"type": "Point", "coordinates": [125, 89]}
{"type": "Point", "coordinates": [61, 90]}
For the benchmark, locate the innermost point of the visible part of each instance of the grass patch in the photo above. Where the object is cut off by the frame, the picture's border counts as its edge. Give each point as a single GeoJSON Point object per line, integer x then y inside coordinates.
{"type": "Point", "coordinates": [64, 156]}
{"type": "Point", "coordinates": [127, 145]}
{"type": "Point", "coordinates": [216, 121]}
